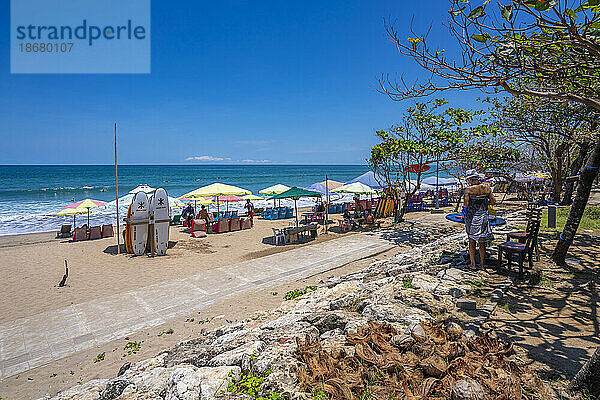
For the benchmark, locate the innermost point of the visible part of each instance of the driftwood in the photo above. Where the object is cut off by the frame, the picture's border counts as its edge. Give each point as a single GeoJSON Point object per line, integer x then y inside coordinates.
{"type": "Point", "coordinates": [63, 282]}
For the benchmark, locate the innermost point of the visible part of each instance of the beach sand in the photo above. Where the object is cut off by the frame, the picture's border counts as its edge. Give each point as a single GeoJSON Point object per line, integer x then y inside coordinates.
{"type": "Point", "coordinates": [32, 265]}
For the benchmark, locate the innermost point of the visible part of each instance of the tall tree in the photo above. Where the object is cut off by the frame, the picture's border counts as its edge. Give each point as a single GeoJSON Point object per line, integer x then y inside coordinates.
{"type": "Point", "coordinates": [427, 133]}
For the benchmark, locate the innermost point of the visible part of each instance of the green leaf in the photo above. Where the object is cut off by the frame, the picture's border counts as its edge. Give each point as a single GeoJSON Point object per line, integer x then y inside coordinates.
{"type": "Point", "coordinates": [507, 12]}
{"type": "Point", "coordinates": [571, 13]}
{"type": "Point", "coordinates": [545, 5]}
{"type": "Point", "coordinates": [476, 12]}
{"type": "Point", "coordinates": [481, 38]}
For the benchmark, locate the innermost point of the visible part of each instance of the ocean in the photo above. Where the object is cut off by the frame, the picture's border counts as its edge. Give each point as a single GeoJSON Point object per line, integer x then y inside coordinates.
{"type": "Point", "coordinates": [31, 195]}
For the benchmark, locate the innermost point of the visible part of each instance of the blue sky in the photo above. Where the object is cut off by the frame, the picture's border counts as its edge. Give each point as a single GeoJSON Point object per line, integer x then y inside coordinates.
{"type": "Point", "coordinates": [231, 82]}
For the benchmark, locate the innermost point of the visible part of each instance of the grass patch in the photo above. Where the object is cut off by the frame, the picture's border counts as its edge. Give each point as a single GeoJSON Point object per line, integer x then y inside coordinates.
{"type": "Point", "coordinates": [132, 348]}
{"type": "Point", "coordinates": [293, 294]}
{"type": "Point", "coordinates": [407, 283]}
{"type": "Point", "coordinates": [166, 332]}
{"type": "Point", "coordinates": [100, 357]}
{"type": "Point", "coordinates": [590, 219]}
{"type": "Point", "coordinates": [249, 384]}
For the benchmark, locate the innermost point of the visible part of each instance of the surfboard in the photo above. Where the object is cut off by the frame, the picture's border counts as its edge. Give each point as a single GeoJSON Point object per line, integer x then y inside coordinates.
{"type": "Point", "coordinates": [128, 244]}
{"type": "Point", "coordinates": [139, 224]}
{"type": "Point", "coordinates": [160, 206]}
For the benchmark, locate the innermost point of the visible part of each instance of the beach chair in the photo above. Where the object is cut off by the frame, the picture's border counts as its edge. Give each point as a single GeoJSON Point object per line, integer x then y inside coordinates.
{"type": "Point", "coordinates": [533, 215]}
{"type": "Point", "coordinates": [95, 232]}
{"type": "Point", "coordinates": [278, 236]}
{"type": "Point", "coordinates": [176, 220]}
{"type": "Point", "coordinates": [344, 225]}
{"type": "Point", "coordinates": [289, 213]}
{"type": "Point", "coordinates": [65, 231]}
{"type": "Point", "coordinates": [222, 225]}
{"type": "Point", "coordinates": [516, 251]}
{"type": "Point", "coordinates": [245, 223]}
{"type": "Point", "coordinates": [234, 214]}
{"type": "Point", "coordinates": [198, 225]}
{"type": "Point", "coordinates": [234, 224]}
{"type": "Point", "coordinates": [80, 234]}
{"type": "Point", "coordinates": [107, 231]}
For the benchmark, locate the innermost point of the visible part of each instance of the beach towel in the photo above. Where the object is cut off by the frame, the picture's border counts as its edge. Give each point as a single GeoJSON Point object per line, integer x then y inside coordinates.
{"type": "Point", "coordinates": [477, 223]}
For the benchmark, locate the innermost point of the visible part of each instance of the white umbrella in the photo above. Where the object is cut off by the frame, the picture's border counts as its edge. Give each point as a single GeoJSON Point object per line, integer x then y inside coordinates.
{"type": "Point", "coordinates": [142, 188]}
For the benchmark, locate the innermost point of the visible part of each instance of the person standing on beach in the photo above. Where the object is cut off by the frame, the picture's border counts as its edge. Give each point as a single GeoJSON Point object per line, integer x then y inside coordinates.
{"type": "Point", "coordinates": [250, 208]}
{"type": "Point", "coordinates": [477, 224]}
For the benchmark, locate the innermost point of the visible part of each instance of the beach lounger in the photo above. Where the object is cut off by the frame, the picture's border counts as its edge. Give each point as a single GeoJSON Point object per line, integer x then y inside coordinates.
{"type": "Point", "coordinates": [222, 225]}
{"type": "Point", "coordinates": [79, 234]}
{"type": "Point", "coordinates": [95, 232]}
{"type": "Point", "coordinates": [198, 225]}
{"type": "Point", "coordinates": [65, 231]}
{"type": "Point", "coordinates": [344, 225]}
{"type": "Point", "coordinates": [245, 223]}
{"type": "Point", "coordinates": [234, 224]}
{"type": "Point", "coordinates": [107, 231]}
{"type": "Point", "coordinates": [289, 213]}
{"type": "Point", "coordinates": [176, 220]}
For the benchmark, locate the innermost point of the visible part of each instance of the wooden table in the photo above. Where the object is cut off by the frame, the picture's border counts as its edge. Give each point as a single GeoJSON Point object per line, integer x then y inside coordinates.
{"type": "Point", "coordinates": [294, 233]}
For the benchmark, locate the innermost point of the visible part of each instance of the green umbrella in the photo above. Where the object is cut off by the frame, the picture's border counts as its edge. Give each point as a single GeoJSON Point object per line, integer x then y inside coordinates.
{"type": "Point", "coordinates": [295, 193]}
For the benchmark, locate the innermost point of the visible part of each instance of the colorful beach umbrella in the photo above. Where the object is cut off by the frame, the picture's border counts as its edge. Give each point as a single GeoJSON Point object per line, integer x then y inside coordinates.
{"type": "Point", "coordinates": [295, 193]}
{"type": "Point", "coordinates": [216, 190]}
{"type": "Point", "coordinates": [86, 204]}
{"type": "Point", "coordinates": [331, 184]}
{"type": "Point", "coordinates": [73, 212]}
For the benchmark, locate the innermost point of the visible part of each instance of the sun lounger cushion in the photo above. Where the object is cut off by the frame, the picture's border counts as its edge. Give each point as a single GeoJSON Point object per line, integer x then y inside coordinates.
{"type": "Point", "coordinates": [79, 234]}
{"type": "Point", "coordinates": [107, 231]}
{"type": "Point", "coordinates": [234, 224]}
{"type": "Point", "coordinates": [198, 225]}
{"type": "Point", "coordinates": [95, 232]}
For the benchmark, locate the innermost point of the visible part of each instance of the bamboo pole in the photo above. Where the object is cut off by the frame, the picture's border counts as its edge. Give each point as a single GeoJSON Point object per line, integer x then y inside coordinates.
{"type": "Point", "coordinates": [117, 195]}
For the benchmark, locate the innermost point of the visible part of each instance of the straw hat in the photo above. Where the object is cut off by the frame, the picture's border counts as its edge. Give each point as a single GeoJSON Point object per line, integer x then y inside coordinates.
{"type": "Point", "coordinates": [472, 174]}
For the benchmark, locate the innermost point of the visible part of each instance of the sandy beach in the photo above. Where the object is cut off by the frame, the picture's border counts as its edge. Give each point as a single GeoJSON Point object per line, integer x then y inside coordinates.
{"type": "Point", "coordinates": [33, 264]}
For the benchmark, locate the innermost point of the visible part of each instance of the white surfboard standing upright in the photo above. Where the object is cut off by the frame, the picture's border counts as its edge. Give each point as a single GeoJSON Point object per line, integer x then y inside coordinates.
{"type": "Point", "coordinates": [139, 223]}
{"type": "Point", "coordinates": [160, 210]}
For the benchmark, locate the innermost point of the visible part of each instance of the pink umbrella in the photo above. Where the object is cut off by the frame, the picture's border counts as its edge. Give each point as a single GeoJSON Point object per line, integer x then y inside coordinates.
{"type": "Point", "coordinates": [87, 203]}
{"type": "Point", "coordinates": [227, 198]}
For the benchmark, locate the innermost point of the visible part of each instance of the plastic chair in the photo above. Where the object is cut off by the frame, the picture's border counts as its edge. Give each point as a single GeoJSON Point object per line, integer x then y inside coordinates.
{"type": "Point", "coordinates": [278, 236]}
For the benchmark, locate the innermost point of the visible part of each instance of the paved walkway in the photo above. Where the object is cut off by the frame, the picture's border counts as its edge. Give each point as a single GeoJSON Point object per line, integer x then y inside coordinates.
{"type": "Point", "coordinates": [30, 342]}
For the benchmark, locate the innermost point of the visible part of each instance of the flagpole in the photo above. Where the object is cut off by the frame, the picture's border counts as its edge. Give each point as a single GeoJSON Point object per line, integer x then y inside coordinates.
{"type": "Point", "coordinates": [117, 195]}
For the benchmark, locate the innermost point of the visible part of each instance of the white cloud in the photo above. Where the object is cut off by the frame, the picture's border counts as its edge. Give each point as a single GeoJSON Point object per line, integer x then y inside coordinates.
{"type": "Point", "coordinates": [207, 158]}
{"type": "Point", "coordinates": [256, 161]}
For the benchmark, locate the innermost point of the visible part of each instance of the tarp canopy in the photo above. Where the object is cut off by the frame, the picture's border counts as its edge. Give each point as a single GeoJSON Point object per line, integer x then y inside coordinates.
{"type": "Point", "coordinates": [216, 189]}
{"type": "Point", "coordinates": [356, 188]}
{"type": "Point", "coordinates": [370, 179]}
{"type": "Point", "coordinates": [442, 181]}
{"type": "Point", "coordinates": [279, 188]}
{"type": "Point", "coordinates": [331, 184]}
{"type": "Point", "coordinates": [318, 187]}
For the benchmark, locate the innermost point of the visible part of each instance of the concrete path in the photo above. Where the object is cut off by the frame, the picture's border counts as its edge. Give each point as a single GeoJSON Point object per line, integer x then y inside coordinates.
{"type": "Point", "coordinates": [33, 341]}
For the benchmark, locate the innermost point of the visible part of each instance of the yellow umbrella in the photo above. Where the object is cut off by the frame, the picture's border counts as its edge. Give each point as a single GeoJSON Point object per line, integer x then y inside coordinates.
{"type": "Point", "coordinates": [86, 204]}
{"type": "Point", "coordinates": [252, 197]}
{"type": "Point", "coordinates": [216, 189]}
{"type": "Point", "coordinates": [542, 175]}
{"type": "Point", "coordinates": [73, 212]}
{"type": "Point", "coordinates": [275, 189]}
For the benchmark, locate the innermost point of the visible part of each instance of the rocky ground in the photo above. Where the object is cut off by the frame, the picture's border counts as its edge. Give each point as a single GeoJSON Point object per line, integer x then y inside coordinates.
{"type": "Point", "coordinates": [261, 358]}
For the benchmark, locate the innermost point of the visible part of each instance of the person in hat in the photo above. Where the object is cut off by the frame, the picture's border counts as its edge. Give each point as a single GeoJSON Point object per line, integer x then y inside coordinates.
{"type": "Point", "coordinates": [478, 197]}
{"type": "Point", "coordinates": [188, 214]}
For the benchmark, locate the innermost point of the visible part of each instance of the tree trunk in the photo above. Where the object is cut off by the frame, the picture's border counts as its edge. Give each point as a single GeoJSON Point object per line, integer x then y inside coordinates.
{"type": "Point", "coordinates": [584, 187]}
{"type": "Point", "coordinates": [588, 377]}
{"type": "Point", "coordinates": [576, 165]}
